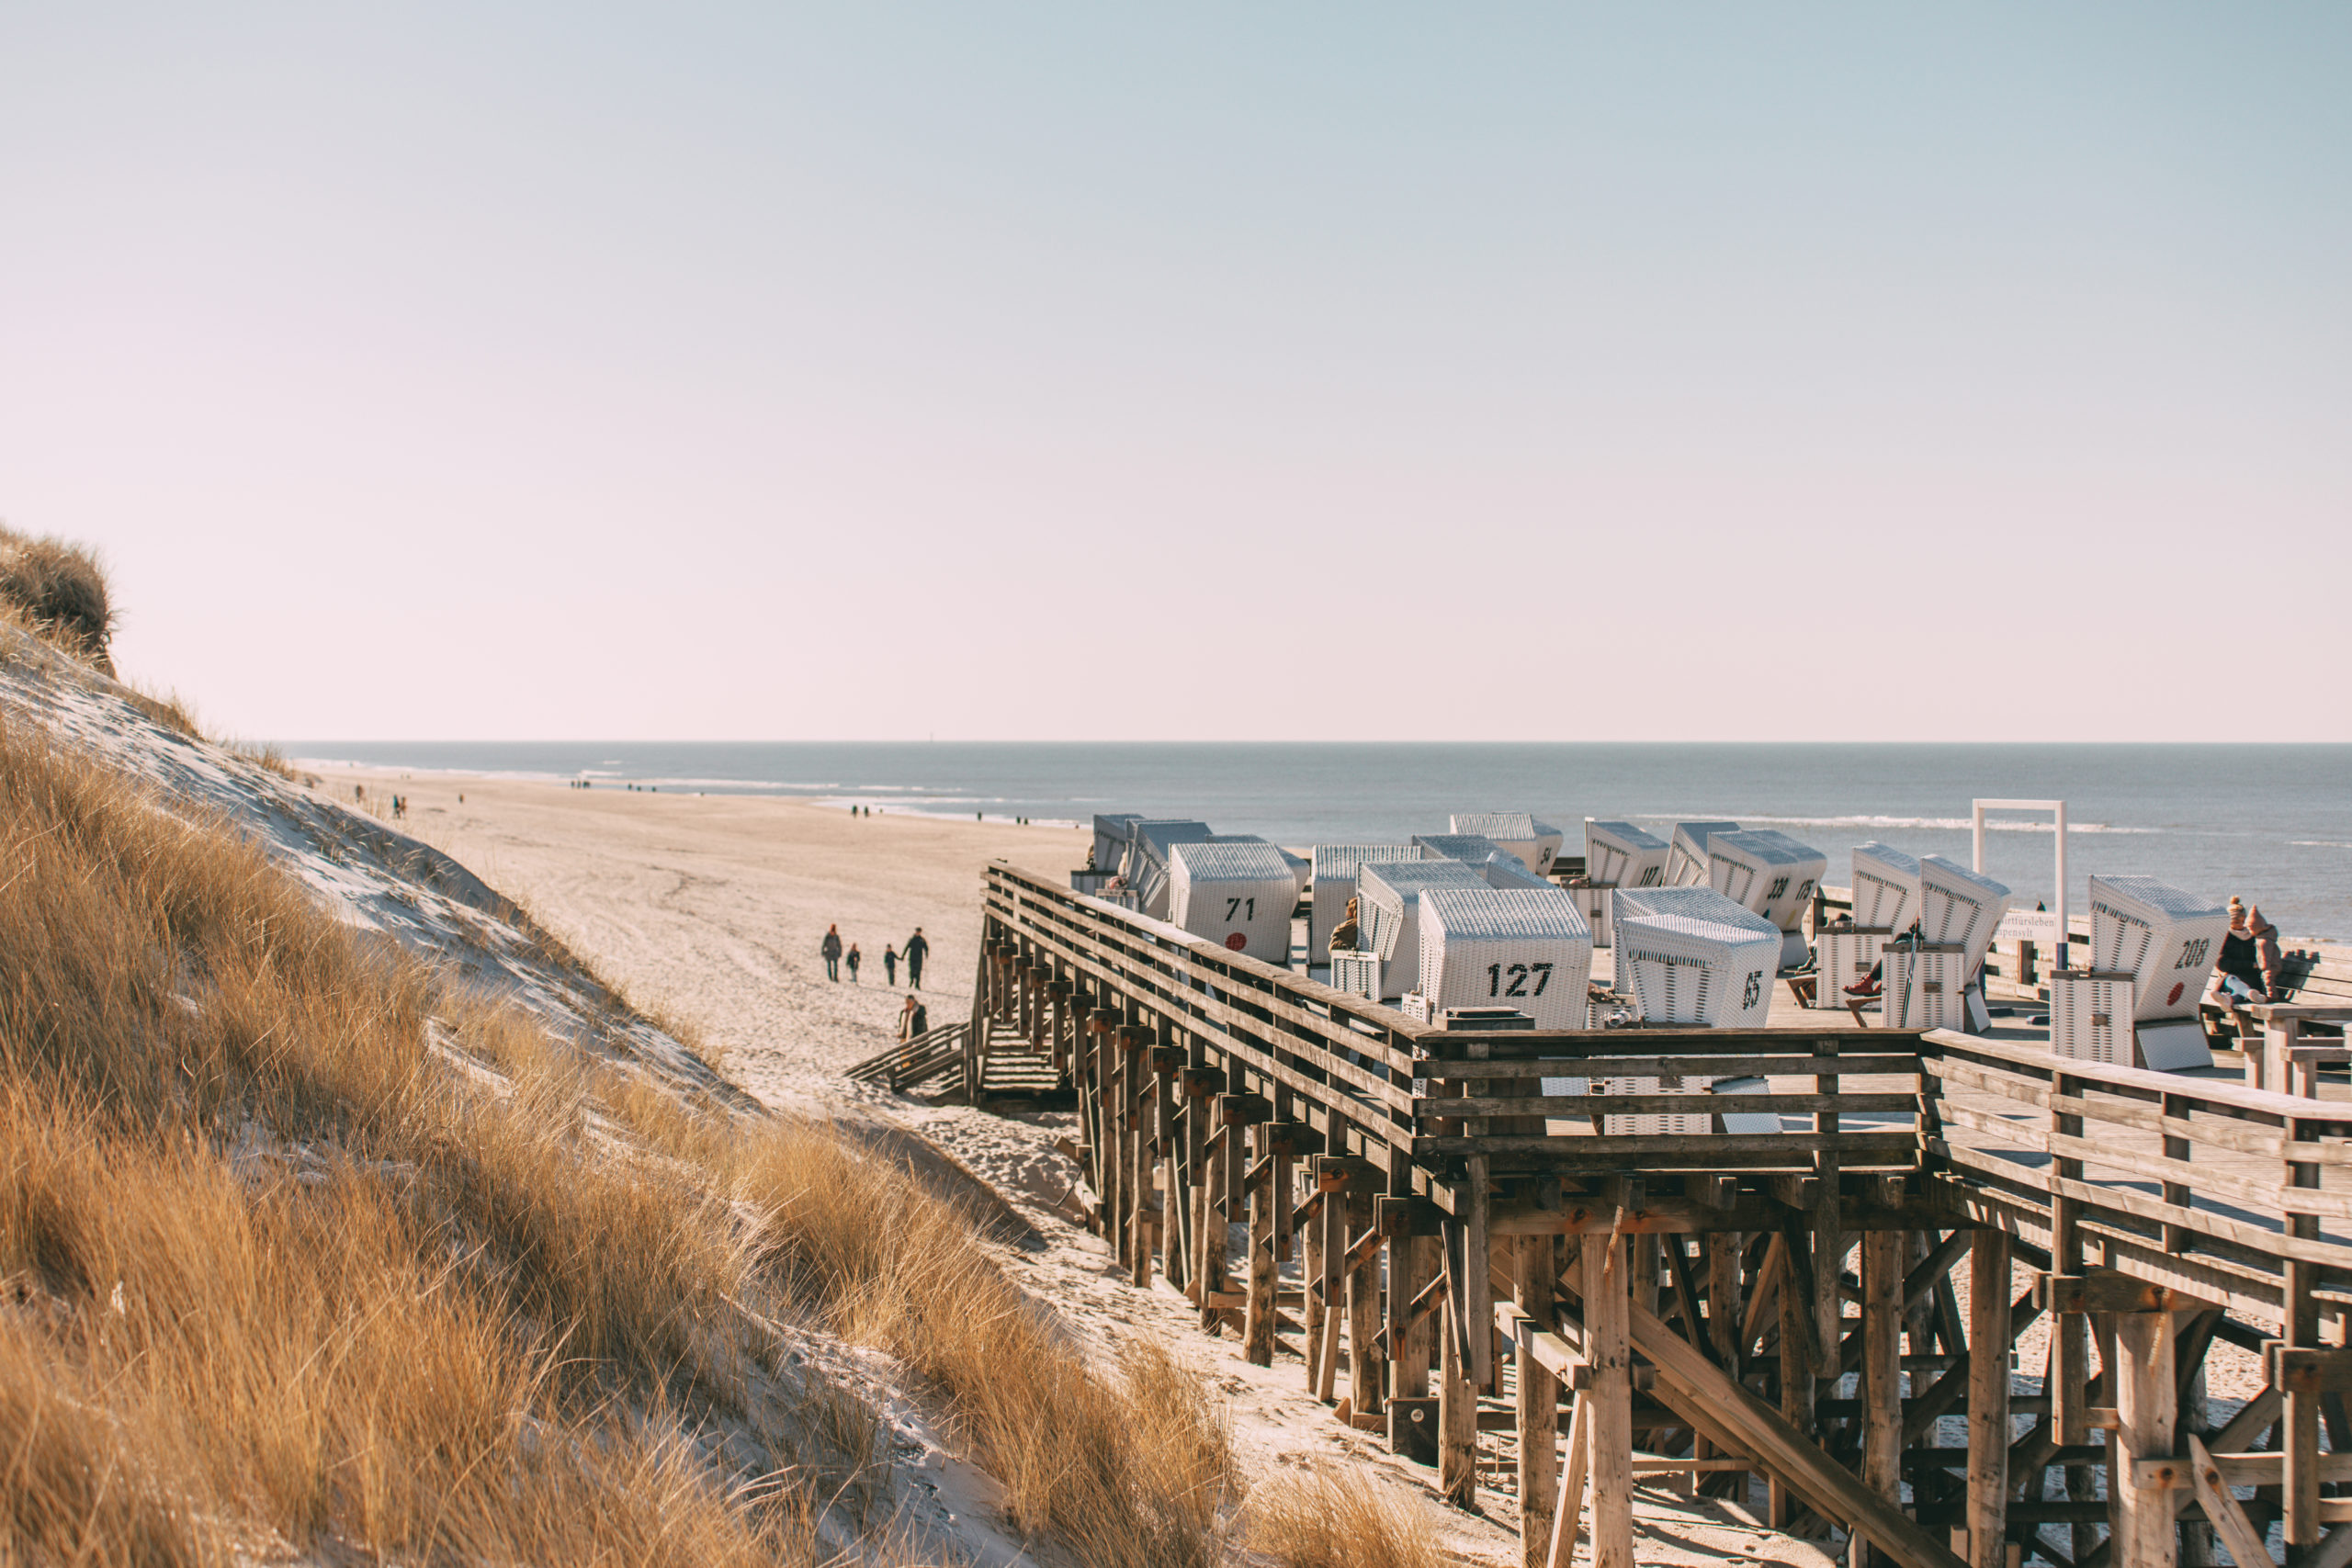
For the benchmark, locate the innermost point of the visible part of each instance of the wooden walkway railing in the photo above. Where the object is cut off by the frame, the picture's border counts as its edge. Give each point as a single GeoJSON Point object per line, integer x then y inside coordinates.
{"type": "Point", "coordinates": [1324, 1177]}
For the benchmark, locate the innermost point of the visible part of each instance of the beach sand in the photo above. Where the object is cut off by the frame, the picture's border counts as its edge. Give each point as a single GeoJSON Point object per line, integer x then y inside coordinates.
{"type": "Point", "coordinates": [708, 909]}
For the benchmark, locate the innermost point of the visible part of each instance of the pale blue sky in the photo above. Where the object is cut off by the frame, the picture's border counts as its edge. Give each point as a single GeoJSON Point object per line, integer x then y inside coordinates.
{"type": "Point", "coordinates": [1529, 372]}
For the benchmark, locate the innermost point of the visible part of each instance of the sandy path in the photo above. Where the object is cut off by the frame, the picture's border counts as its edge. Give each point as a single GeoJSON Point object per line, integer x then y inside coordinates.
{"type": "Point", "coordinates": [710, 909]}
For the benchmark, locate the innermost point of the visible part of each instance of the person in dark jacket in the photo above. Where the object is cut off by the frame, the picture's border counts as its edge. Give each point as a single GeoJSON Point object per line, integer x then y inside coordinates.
{"type": "Point", "coordinates": [914, 1020]}
{"type": "Point", "coordinates": [830, 949]}
{"type": "Point", "coordinates": [889, 965]}
{"type": "Point", "coordinates": [2237, 972]}
{"type": "Point", "coordinates": [915, 951]}
{"type": "Point", "coordinates": [850, 958]}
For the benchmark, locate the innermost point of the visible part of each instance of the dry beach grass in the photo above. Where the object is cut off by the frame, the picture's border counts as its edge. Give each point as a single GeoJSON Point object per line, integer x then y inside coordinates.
{"type": "Point", "coordinates": [310, 1248]}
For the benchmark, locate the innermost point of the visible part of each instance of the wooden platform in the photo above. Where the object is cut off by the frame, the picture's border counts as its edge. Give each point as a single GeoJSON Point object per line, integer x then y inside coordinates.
{"type": "Point", "coordinates": [1789, 1303]}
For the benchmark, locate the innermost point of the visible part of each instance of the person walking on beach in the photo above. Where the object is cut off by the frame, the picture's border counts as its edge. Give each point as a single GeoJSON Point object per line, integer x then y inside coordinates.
{"type": "Point", "coordinates": [915, 951]}
{"type": "Point", "coordinates": [830, 949]}
{"type": "Point", "coordinates": [914, 1020]}
{"type": "Point", "coordinates": [851, 959]}
{"type": "Point", "coordinates": [889, 965]}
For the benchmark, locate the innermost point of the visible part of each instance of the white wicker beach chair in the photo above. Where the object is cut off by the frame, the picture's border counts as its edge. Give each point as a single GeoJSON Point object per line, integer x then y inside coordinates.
{"type": "Point", "coordinates": [1842, 958]}
{"type": "Point", "coordinates": [1525, 948]}
{"type": "Point", "coordinates": [1236, 894]}
{"type": "Point", "coordinates": [2166, 940]}
{"type": "Point", "coordinates": [1618, 854]}
{"type": "Point", "coordinates": [1146, 867]}
{"type": "Point", "coordinates": [1689, 955]}
{"type": "Point", "coordinates": [1389, 905]}
{"type": "Point", "coordinates": [1771, 876]}
{"type": "Point", "coordinates": [1686, 855]}
{"type": "Point", "coordinates": [1536, 843]}
{"type": "Point", "coordinates": [1334, 869]}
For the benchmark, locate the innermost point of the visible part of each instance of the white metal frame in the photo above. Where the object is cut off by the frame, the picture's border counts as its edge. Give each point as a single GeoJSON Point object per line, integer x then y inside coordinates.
{"type": "Point", "coordinates": [1977, 808]}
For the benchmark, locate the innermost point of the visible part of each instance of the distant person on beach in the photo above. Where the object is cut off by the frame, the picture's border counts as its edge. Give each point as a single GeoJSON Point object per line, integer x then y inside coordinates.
{"type": "Point", "coordinates": [889, 965]}
{"type": "Point", "coordinates": [914, 1020]}
{"type": "Point", "coordinates": [915, 951]}
{"type": "Point", "coordinates": [1347, 936]}
{"type": "Point", "coordinates": [850, 958]}
{"type": "Point", "coordinates": [830, 949]}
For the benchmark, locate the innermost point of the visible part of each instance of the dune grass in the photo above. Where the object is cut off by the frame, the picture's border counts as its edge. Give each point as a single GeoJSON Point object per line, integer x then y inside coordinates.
{"type": "Point", "coordinates": [1333, 1518]}
{"type": "Point", "coordinates": [59, 591]}
{"type": "Point", "coordinates": [304, 1245]}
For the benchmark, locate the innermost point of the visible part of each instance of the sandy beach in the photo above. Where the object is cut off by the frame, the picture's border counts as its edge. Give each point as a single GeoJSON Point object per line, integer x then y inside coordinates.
{"type": "Point", "coordinates": [708, 911]}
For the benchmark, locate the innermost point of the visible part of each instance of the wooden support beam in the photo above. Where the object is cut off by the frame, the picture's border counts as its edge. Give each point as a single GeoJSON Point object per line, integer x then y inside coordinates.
{"type": "Point", "coordinates": [1797, 1385]}
{"type": "Point", "coordinates": [1609, 1450]}
{"type": "Point", "coordinates": [2247, 1546]}
{"type": "Point", "coordinates": [1329, 1261]}
{"type": "Point", "coordinates": [1989, 1338]}
{"type": "Point", "coordinates": [1781, 1447]}
{"type": "Point", "coordinates": [1567, 1507]}
{"type": "Point", "coordinates": [1458, 1401]}
{"type": "Point", "coordinates": [1538, 1400]}
{"type": "Point", "coordinates": [1366, 1373]}
{"type": "Point", "coordinates": [2146, 1405]}
{"type": "Point", "coordinates": [2110, 1290]}
{"type": "Point", "coordinates": [1477, 1280]}
{"type": "Point", "coordinates": [1885, 1255]}
{"type": "Point", "coordinates": [1258, 1329]}
{"type": "Point", "coordinates": [2294, 1369]}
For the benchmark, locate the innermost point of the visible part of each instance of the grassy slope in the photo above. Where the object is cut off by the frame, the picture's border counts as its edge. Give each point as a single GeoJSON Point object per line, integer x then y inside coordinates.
{"type": "Point", "coordinates": [310, 1245]}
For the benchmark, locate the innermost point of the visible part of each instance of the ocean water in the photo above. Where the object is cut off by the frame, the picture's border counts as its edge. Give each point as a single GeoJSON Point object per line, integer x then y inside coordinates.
{"type": "Point", "coordinates": [2272, 824]}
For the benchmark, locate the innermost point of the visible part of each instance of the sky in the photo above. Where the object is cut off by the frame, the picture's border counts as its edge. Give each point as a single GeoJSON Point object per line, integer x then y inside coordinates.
{"type": "Point", "coordinates": [1690, 371]}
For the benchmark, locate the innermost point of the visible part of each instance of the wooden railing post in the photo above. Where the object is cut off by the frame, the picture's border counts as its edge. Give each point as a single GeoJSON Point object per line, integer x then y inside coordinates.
{"type": "Point", "coordinates": [2299, 1324]}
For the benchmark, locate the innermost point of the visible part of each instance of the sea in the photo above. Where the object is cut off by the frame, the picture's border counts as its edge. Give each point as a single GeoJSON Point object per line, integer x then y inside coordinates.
{"type": "Point", "coordinates": [2270, 823]}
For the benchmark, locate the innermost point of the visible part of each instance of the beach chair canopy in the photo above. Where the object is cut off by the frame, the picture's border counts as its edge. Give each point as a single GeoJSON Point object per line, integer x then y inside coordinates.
{"type": "Point", "coordinates": [1886, 887]}
{"type": "Point", "coordinates": [1765, 872]}
{"type": "Point", "coordinates": [1958, 908]}
{"type": "Point", "coordinates": [1685, 855]}
{"type": "Point", "coordinates": [1536, 842]}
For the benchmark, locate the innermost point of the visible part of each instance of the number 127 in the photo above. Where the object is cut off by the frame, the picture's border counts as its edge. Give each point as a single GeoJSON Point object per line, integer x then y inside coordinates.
{"type": "Point", "coordinates": [1518, 974]}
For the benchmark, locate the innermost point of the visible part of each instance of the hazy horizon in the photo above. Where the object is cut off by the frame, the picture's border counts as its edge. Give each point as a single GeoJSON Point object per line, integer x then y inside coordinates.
{"type": "Point", "coordinates": [1821, 372]}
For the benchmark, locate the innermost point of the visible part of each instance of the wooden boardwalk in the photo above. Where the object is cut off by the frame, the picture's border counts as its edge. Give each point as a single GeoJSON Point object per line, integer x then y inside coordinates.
{"type": "Point", "coordinates": [1784, 1303]}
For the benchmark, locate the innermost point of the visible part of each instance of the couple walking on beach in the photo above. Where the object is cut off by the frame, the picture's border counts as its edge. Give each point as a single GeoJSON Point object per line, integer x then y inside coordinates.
{"type": "Point", "coordinates": [917, 948]}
